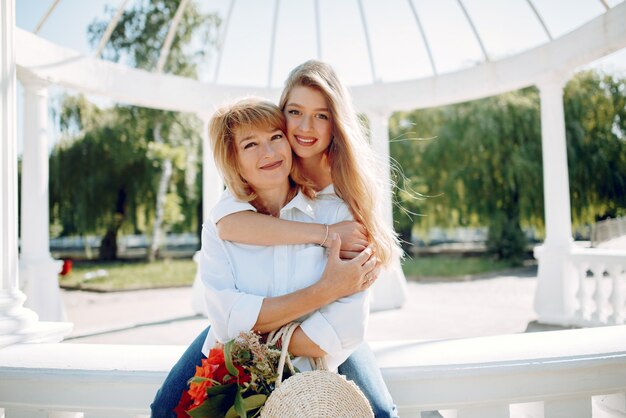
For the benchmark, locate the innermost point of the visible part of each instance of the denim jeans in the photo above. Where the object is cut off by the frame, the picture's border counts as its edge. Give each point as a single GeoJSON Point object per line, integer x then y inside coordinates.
{"type": "Point", "coordinates": [360, 367]}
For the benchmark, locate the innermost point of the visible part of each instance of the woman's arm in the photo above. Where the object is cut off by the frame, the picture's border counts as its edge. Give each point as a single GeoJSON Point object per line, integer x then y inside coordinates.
{"type": "Point", "coordinates": [231, 311]}
{"type": "Point", "coordinates": [257, 229]}
{"type": "Point", "coordinates": [339, 279]}
{"type": "Point", "coordinates": [302, 346]}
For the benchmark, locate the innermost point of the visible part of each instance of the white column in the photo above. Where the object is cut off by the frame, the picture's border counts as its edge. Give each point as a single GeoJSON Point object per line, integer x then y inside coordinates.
{"type": "Point", "coordinates": [38, 270]}
{"type": "Point", "coordinates": [17, 324]}
{"type": "Point", "coordinates": [554, 298]}
{"type": "Point", "coordinates": [212, 187]}
{"type": "Point", "coordinates": [389, 291]}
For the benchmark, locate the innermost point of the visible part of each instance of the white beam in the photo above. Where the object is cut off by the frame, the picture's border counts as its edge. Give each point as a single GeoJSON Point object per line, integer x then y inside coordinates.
{"type": "Point", "coordinates": [68, 68]}
{"type": "Point", "coordinates": [318, 29]}
{"type": "Point", "coordinates": [45, 17]}
{"type": "Point", "coordinates": [540, 19]}
{"type": "Point", "coordinates": [473, 27]}
{"type": "Point", "coordinates": [222, 40]}
{"type": "Point", "coordinates": [389, 291]}
{"type": "Point", "coordinates": [38, 270]}
{"type": "Point", "coordinates": [597, 38]}
{"type": "Point", "coordinates": [212, 187]}
{"type": "Point", "coordinates": [9, 289]}
{"type": "Point", "coordinates": [171, 33]}
{"type": "Point", "coordinates": [110, 27]}
{"type": "Point", "coordinates": [270, 70]}
{"type": "Point", "coordinates": [17, 324]}
{"type": "Point", "coordinates": [366, 32]}
{"type": "Point", "coordinates": [556, 275]}
{"type": "Point", "coordinates": [418, 22]}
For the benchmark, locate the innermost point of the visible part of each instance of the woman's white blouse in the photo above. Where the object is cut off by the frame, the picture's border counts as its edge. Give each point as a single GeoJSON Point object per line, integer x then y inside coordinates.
{"type": "Point", "coordinates": [237, 277]}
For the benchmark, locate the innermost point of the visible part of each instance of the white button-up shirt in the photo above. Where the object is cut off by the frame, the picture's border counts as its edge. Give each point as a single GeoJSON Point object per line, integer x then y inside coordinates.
{"type": "Point", "coordinates": [237, 278]}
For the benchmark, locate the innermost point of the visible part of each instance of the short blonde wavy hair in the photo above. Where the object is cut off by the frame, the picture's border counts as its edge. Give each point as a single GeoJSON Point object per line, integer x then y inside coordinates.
{"type": "Point", "coordinates": [249, 112]}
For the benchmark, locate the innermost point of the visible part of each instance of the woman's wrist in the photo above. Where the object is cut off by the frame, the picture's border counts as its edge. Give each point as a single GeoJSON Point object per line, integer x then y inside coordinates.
{"type": "Point", "coordinates": [323, 292]}
{"type": "Point", "coordinates": [324, 242]}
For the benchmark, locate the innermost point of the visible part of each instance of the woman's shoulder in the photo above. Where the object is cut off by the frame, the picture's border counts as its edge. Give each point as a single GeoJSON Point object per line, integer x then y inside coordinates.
{"type": "Point", "coordinates": [330, 208]}
{"type": "Point", "coordinates": [227, 205]}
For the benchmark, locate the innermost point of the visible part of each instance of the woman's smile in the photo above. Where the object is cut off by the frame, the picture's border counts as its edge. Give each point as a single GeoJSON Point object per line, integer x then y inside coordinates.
{"type": "Point", "coordinates": [309, 122]}
{"type": "Point", "coordinates": [264, 157]}
{"type": "Point", "coordinates": [305, 141]}
{"type": "Point", "coordinates": [272, 166]}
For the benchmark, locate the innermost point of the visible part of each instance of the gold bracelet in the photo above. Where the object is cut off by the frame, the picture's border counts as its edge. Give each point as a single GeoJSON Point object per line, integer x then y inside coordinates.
{"type": "Point", "coordinates": [326, 237]}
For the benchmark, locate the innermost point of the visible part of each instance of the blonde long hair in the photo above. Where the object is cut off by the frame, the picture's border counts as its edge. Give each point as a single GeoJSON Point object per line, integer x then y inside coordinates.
{"type": "Point", "coordinates": [352, 161]}
{"type": "Point", "coordinates": [249, 112]}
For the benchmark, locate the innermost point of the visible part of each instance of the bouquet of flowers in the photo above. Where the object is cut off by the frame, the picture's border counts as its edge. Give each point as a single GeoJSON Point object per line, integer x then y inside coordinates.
{"type": "Point", "coordinates": [234, 381]}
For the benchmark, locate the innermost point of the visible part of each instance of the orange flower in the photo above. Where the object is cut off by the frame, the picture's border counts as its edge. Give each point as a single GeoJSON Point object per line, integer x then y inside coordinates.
{"type": "Point", "coordinates": [207, 369]}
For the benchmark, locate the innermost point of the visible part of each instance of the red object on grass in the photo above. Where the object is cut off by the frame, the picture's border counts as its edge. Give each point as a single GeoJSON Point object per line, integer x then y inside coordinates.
{"type": "Point", "coordinates": [67, 267]}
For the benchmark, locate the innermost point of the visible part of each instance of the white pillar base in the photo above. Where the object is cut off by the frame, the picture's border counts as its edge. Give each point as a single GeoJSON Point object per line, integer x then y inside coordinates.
{"type": "Point", "coordinates": [40, 281]}
{"type": "Point", "coordinates": [13, 315]}
{"type": "Point", "coordinates": [556, 286]}
{"type": "Point", "coordinates": [20, 325]}
{"type": "Point", "coordinates": [389, 291]}
{"type": "Point", "coordinates": [38, 332]}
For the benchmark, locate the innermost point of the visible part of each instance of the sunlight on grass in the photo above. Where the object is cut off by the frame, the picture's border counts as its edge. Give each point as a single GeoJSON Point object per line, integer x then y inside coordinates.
{"type": "Point", "coordinates": [127, 275]}
{"type": "Point", "coordinates": [450, 267]}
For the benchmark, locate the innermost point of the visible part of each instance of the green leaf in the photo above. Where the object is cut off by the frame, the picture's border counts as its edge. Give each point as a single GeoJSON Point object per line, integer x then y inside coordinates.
{"type": "Point", "coordinates": [249, 404]}
{"type": "Point", "coordinates": [220, 399]}
{"type": "Point", "coordinates": [229, 390]}
{"type": "Point", "coordinates": [228, 358]}
{"type": "Point", "coordinates": [239, 408]}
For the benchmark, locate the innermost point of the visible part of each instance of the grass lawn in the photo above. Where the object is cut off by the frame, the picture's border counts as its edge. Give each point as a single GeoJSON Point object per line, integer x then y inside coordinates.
{"type": "Point", "coordinates": [450, 267]}
{"type": "Point", "coordinates": [127, 275]}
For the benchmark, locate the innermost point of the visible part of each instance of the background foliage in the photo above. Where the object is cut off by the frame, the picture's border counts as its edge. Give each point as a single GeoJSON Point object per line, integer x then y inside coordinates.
{"type": "Point", "coordinates": [130, 168]}
{"type": "Point", "coordinates": [479, 163]}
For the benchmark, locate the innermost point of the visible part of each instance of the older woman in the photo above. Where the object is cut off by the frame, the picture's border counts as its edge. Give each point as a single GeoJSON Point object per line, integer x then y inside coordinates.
{"type": "Point", "coordinates": [261, 288]}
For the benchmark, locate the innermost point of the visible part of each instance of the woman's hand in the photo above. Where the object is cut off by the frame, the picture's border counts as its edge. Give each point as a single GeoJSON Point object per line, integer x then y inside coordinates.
{"type": "Point", "coordinates": [353, 238]}
{"type": "Point", "coordinates": [343, 278]}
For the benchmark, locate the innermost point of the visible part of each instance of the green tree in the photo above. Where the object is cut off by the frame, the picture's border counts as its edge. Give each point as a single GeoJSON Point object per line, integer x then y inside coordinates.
{"type": "Point", "coordinates": [170, 141]}
{"type": "Point", "coordinates": [99, 172]}
{"type": "Point", "coordinates": [484, 168]}
{"type": "Point", "coordinates": [138, 40]}
{"type": "Point", "coordinates": [595, 116]}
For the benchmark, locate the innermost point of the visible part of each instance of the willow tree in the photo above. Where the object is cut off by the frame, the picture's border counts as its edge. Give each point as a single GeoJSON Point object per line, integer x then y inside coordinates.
{"type": "Point", "coordinates": [99, 173]}
{"type": "Point", "coordinates": [483, 166]}
{"type": "Point", "coordinates": [138, 40]}
{"type": "Point", "coordinates": [595, 115]}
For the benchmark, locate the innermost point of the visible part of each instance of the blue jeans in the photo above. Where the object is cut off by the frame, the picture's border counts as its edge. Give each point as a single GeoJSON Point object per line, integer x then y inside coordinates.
{"type": "Point", "coordinates": [360, 367]}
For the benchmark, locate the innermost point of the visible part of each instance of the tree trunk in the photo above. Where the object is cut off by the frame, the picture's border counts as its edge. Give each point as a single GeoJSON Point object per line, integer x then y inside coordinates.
{"type": "Point", "coordinates": [164, 182]}
{"type": "Point", "coordinates": [506, 239]}
{"type": "Point", "coordinates": [108, 245]}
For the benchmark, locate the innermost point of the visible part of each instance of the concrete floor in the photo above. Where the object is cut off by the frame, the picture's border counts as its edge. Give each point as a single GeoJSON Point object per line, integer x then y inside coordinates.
{"type": "Point", "coordinates": [485, 305]}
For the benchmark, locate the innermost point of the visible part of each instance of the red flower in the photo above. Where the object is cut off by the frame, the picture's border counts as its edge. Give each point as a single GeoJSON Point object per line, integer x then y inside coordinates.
{"type": "Point", "coordinates": [184, 405]}
{"type": "Point", "coordinates": [214, 368]}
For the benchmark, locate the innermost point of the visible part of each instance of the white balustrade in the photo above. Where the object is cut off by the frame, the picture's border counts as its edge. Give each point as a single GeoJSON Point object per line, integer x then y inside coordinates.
{"type": "Point", "coordinates": [601, 292]}
{"type": "Point", "coordinates": [558, 374]}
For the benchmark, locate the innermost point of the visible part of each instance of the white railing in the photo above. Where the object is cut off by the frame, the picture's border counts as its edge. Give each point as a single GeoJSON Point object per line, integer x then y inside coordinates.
{"type": "Point", "coordinates": [560, 374]}
{"type": "Point", "coordinates": [601, 291]}
{"type": "Point", "coordinates": [607, 230]}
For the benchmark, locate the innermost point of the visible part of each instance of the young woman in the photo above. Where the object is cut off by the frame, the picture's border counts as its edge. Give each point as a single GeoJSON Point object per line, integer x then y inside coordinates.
{"type": "Point", "coordinates": [333, 153]}
{"type": "Point", "coordinates": [264, 287]}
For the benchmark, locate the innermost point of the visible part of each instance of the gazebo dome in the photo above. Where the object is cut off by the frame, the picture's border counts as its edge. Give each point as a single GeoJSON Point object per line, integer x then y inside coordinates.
{"type": "Point", "coordinates": [395, 54]}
